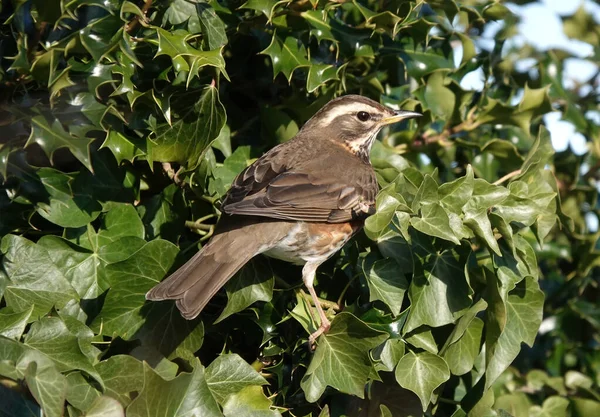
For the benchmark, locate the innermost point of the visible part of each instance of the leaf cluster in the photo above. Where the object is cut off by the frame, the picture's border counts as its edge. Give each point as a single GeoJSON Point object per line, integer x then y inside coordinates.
{"type": "Point", "coordinates": [125, 122]}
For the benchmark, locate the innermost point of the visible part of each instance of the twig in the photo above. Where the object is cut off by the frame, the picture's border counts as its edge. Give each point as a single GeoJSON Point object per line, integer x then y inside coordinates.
{"type": "Point", "coordinates": [131, 25]}
{"type": "Point", "coordinates": [507, 177]}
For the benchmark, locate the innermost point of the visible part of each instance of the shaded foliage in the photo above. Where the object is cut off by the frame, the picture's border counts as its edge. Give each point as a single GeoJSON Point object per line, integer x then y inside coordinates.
{"type": "Point", "coordinates": [123, 125]}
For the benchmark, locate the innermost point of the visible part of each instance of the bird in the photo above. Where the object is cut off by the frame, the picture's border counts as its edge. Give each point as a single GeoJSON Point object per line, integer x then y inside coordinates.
{"type": "Point", "coordinates": [300, 202]}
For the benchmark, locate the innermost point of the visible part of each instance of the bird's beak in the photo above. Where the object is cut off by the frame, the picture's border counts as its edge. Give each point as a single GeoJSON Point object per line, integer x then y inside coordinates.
{"type": "Point", "coordinates": [400, 115]}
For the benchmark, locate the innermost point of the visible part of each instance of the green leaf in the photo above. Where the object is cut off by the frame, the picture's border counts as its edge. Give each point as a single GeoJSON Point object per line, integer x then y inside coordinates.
{"type": "Point", "coordinates": [439, 292]}
{"type": "Point", "coordinates": [342, 358]}
{"type": "Point", "coordinates": [480, 224]}
{"type": "Point", "coordinates": [538, 156]}
{"type": "Point", "coordinates": [434, 221]}
{"type": "Point", "coordinates": [63, 205]}
{"type": "Point", "coordinates": [386, 282]}
{"type": "Point", "coordinates": [185, 57]}
{"type": "Point", "coordinates": [523, 317]}
{"type": "Point", "coordinates": [554, 406]}
{"type": "Point", "coordinates": [124, 148]}
{"type": "Point", "coordinates": [390, 353]}
{"type": "Point", "coordinates": [33, 279]}
{"type": "Point", "coordinates": [230, 374]}
{"type": "Point", "coordinates": [213, 28]}
{"type": "Point", "coordinates": [265, 7]}
{"type": "Point", "coordinates": [123, 376]}
{"type": "Point", "coordinates": [534, 103]}
{"type": "Point", "coordinates": [253, 283]}
{"type": "Point", "coordinates": [80, 392]}
{"type": "Point", "coordinates": [51, 137]}
{"type": "Point", "coordinates": [422, 373]}
{"type": "Point", "coordinates": [286, 55]}
{"type": "Point", "coordinates": [48, 387]}
{"type": "Point", "coordinates": [440, 99]}
{"type": "Point", "coordinates": [105, 407]}
{"type": "Point", "coordinates": [454, 195]}
{"type": "Point", "coordinates": [250, 401]}
{"type": "Point", "coordinates": [460, 356]}
{"type": "Point", "coordinates": [130, 280]}
{"type": "Point", "coordinates": [121, 235]}
{"type": "Point", "coordinates": [188, 394]}
{"type": "Point", "coordinates": [188, 138]}
{"type": "Point", "coordinates": [12, 325]}
{"type": "Point", "coordinates": [67, 349]}
{"type": "Point", "coordinates": [320, 74]}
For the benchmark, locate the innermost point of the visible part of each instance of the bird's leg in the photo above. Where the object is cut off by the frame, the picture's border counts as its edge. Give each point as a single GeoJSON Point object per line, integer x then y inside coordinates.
{"type": "Point", "coordinates": [308, 276]}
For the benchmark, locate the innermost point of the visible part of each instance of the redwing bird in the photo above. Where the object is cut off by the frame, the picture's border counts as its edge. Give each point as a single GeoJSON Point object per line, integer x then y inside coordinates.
{"type": "Point", "coordinates": [300, 202]}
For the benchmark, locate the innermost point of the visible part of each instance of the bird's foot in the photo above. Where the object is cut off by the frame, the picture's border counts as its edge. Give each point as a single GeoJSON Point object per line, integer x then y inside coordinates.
{"type": "Point", "coordinates": [323, 328]}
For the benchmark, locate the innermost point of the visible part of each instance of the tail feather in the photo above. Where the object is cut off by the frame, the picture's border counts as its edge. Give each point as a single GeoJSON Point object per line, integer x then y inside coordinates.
{"type": "Point", "coordinates": [199, 279]}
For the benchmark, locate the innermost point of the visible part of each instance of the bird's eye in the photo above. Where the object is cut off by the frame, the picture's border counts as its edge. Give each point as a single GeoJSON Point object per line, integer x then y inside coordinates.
{"type": "Point", "coordinates": [363, 116]}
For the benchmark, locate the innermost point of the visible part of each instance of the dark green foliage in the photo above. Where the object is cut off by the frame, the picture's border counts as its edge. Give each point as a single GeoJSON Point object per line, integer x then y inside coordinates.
{"type": "Point", "coordinates": [123, 124]}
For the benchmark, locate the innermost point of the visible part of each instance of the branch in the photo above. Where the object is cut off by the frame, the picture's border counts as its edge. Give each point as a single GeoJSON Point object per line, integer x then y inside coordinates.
{"type": "Point", "coordinates": [507, 177]}
{"type": "Point", "coordinates": [132, 25]}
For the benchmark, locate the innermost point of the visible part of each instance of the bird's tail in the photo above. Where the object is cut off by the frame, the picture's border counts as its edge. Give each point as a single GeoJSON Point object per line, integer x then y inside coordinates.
{"type": "Point", "coordinates": [199, 279]}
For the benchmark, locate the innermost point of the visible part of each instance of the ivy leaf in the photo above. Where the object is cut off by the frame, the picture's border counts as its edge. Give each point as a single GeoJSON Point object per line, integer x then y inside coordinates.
{"type": "Point", "coordinates": [523, 318]}
{"type": "Point", "coordinates": [386, 282]}
{"type": "Point", "coordinates": [253, 283]}
{"type": "Point", "coordinates": [287, 55]}
{"type": "Point", "coordinates": [434, 221]}
{"type": "Point", "coordinates": [237, 373]}
{"type": "Point", "coordinates": [249, 401]}
{"type": "Point", "coordinates": [212, 27]}
{"type": "Point", "coordinates": [439, 292]}
{"type": "Point", "coordinates": [52, 337]}
{"type": "Point", "coordinates": [187, 394]}
{"type": "Point", "coordinates": [80, 392]}
{"type": "Point", "coordinates": [12, 325]}
{"type": "Point", "coordinates": [105, 407]}
{"type": "Point", "coordinates": [130, 280]}
{"type": "Point", "coordinates": [122, 376]}
{"type": "Point", "coordinates": [48, 387]}
{"type": "Point", "coordinates": [189, 137]}
{"type": "Point", "coordinates": [33, 278]}
{"type": "Point", "coordinates": [460, 356]}
{"type": "Point", "coordinates": [64, 206]}
{"type": "Point", "coordinates": [342, 358]}
{"type": "Point", "coordinates": [422, 373]}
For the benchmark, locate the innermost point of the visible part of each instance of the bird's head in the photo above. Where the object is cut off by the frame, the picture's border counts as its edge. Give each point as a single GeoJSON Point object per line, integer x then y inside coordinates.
{"type": "Point", "coordinates": [354, 122]}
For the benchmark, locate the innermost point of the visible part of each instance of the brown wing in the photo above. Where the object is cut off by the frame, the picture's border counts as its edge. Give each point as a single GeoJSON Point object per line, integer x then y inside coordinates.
{"type": "Point", "coordinates": [313, 192]}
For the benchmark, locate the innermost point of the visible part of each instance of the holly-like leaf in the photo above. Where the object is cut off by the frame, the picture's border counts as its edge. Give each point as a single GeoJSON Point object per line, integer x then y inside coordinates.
{"type": "Point", "coordinates": [422, 373]}
{"type": "Point", "coordinates": [124, 148]}
{"type": "Point", "coordinates": [342, 358]}
{"type": "Point", "coordinates": [287, 55]}
{"type": "Point", "coordinates": [189, 137]}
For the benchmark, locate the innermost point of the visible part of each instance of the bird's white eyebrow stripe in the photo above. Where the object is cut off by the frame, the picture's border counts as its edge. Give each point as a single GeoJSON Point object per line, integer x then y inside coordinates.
{"type": "Point", "coordinates": [345, 109]}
